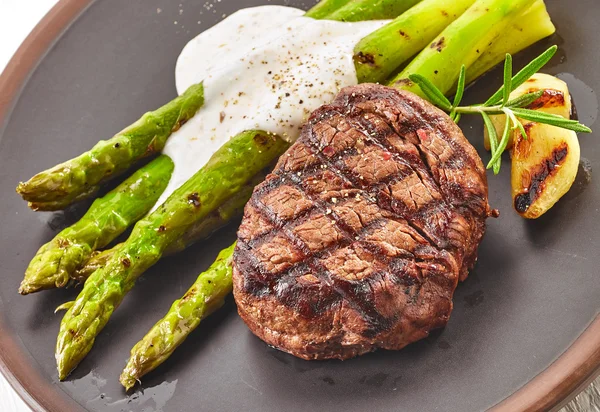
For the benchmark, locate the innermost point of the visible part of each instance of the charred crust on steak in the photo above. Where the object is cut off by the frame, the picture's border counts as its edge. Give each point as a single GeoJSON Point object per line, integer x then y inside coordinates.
{"type": "Point", "coordinates": [358, 238]}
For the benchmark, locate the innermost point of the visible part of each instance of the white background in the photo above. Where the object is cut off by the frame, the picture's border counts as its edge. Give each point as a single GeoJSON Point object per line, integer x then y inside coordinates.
{"type": "Point", "coordinates": [17, 18]}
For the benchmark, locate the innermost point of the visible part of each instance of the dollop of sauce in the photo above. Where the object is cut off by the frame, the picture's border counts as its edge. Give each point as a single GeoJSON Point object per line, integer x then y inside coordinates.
{"type": "Point", "coordinates": [264, 68]}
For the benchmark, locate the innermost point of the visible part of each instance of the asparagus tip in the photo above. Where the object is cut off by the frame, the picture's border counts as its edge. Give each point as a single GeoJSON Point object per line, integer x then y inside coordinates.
{"type": "Point", "coordinates": [63, 373]}
{"type": "Point", "coordinates": [42, 275]}
{"type": "Point", "coordinates": [127, 380]}
{"type": "Point", "coordinates": [27, 190]}
{"type": "Point", "coordinates": [20, 188]}
{"type": "Point", "coordinates": [68, 353]}
{"type": "Point", "coordinates": [25, 289]}
{"type": "Point", "coordinates": [66, 359]}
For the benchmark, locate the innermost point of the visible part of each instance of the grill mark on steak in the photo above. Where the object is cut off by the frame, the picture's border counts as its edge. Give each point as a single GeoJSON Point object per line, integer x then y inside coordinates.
{"type": "Point", "coordinates": [338, 167]}
{"type": "Point", "coordinates": [387, 205]}
{"type": "Point", "coordinates": [401, 129]}
{"type": "Point", "coordinates": [376, 137]}
{"type": "Point", "coordinates": [376, 258]}
{"type": "Point", "coordinates": [381, 139]}
{"type": "Point", "coordinates": [458, 156]}
{"type": "Point", "coordinates": [341, 170]}
{"type": "Point", "coordinates": [457, 192]}
{"type": "Point", "coordinates": [346, 289]}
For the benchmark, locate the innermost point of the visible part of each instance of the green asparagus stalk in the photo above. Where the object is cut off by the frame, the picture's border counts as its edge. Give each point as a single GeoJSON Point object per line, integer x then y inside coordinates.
{"type": "Point", "coordinates": [325, 7]}
{"type": "Point", "coordinates": [205, 296]}
{"type": "Point", "coordinates": [461, 43]}
{"type": "Point", "coordinates": [106, 219]}
{"type": "Point", "coordinates": [233, 208]}
{"type": "Point", "coordinates": [230, 168]}
{"type": "Point", "coordinates": [386, 49]}
{"type": "Point", "coordinates": [80, 176]}
{"type": "Point", "coordinates": [230, 210]}
{"type": "Point", "coordinates": [530, 27]}
{"type": "Point", "coordinates": [361, 10]}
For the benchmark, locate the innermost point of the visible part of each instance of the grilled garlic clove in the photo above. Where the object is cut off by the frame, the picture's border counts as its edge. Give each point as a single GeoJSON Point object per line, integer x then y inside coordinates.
{"type": "Point", "coordinates": [543, 168]}
{"type": "Point", "coordinates": [555, 100]}
{"type": "Point", "coordinates": [544, 165]}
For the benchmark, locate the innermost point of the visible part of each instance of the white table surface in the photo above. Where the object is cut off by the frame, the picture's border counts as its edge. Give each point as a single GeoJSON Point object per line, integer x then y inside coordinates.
{"type": "Point", "coordinates": [17, 18]}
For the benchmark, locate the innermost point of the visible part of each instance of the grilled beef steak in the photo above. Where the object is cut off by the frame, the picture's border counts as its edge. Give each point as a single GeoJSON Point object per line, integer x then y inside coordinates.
{"type": "Point", "coordinates": [358, 238]}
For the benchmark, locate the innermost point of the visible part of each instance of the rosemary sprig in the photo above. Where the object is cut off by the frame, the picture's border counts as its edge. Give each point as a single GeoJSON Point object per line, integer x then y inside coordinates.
{"type": "Point", "coordinates": [500, 103]}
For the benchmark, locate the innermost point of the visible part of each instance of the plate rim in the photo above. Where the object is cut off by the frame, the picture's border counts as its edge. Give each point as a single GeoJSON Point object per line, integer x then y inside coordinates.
{"type": "Point", "coordinates": [551, 389]}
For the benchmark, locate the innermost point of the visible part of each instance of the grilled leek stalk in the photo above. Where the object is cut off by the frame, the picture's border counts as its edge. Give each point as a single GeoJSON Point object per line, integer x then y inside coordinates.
{"type": "Point", "coordinates": [531, 26]}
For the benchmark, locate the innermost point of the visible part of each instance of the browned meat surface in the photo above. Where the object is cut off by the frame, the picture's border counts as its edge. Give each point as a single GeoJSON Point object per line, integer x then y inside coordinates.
{"type": "Point", "coordinates": [359, 237]}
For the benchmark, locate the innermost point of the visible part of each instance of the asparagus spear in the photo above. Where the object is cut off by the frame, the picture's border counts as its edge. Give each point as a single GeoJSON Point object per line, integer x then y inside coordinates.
{"type": "Point", "coordinates": [461, 43]}
{"type": "Point", "coordinates": [231, 209]}
{"type": "Point", "coordinates": [381, 52]}
{"type": "Point", "coordinates": [531, 26]}
{"type": "Point", "coordinates": [325, 7]}
{"type": "Point", "coordinates": [231, 167]}
{"type": "Point", "coordinates": [106, 219]}
{"type": "Point", "coordinates": [63, 202]}
{"type": "Point", "coordinates": [205, 296]}
{"type": "Point", "coordinates": [360, 10]}
{"type": "Point", "coordinates": [79, 177]}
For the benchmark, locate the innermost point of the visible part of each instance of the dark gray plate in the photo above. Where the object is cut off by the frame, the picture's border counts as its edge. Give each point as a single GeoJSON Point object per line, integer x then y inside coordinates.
{"type": "Point", "coordinates": [532, 294]}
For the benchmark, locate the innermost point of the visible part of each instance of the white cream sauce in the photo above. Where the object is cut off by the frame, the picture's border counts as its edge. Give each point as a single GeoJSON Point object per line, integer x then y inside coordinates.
{"type": "Point", "coordinates": [264, 68]}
